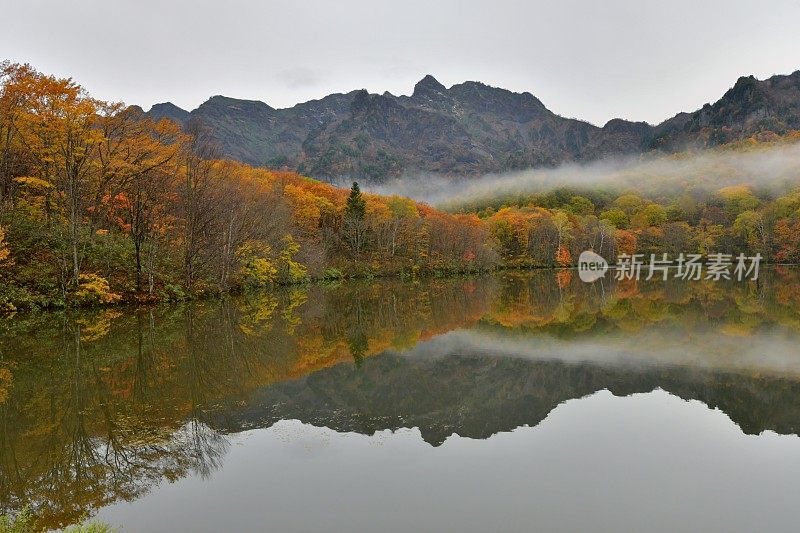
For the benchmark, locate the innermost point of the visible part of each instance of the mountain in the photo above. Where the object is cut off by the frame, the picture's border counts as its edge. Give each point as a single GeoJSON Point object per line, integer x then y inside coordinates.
{"type": "Point", "coordinates": [170, 111]}
{"type": "Point", "coordinates": [749, 107]}
{"type": "Point", "coordinates": [468, 129]}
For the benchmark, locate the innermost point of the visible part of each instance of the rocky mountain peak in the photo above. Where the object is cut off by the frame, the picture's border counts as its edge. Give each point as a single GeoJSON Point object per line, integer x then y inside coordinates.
{"type": "Point", "coordinates": [470, 128]}
{"type": "Point", "coordinates": [236, 104]}
{"type": "Point", "coordinates": [366, 102]}
{"type": "Point", "coordinates": [169, 111]}
{"type": "Point", "coordinates": [428, 87]}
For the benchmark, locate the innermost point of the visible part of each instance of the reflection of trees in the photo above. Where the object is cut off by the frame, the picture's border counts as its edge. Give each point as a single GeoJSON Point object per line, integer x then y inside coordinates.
{"type": "Point", "coordinates": [94, 418]}
{"type": "Point", "coordinates": [103, 405]}
{"type": "Point", "coordinates": [76, 441]}
{"type": "Point", "coordinates": [357, 340]}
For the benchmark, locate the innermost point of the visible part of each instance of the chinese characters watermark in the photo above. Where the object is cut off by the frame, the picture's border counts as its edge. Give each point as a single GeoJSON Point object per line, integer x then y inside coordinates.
{"type": "Point", "coordinates": [689, 267]}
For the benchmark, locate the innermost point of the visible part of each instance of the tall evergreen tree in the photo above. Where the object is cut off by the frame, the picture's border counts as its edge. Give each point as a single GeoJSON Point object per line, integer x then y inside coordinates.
{"type": "Point", "coordinates": [356, 207]}
{"type": "Point", "coordinates": [355, 212]}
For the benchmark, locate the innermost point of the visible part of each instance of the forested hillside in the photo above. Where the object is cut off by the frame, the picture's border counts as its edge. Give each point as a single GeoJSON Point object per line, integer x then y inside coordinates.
{"type": "Point", "coordinates": [100, 202]}
{"type": "Point", "coordinates": [743, 197]}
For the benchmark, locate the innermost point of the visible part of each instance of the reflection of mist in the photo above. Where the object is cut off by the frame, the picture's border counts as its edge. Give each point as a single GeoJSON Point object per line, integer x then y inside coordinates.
{"type": "Point", "coordinates": [775, 169]}
{"type": "Point", "coordinates": [767, 352]}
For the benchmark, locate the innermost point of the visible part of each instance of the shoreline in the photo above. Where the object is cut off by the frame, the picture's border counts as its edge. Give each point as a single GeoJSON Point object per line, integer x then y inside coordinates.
{"type": "Point", "coordinates": [137, 301]}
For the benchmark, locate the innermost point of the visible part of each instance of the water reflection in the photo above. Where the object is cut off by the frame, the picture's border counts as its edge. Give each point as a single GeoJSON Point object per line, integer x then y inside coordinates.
{"type": "Point", "coordinates": [99, 407]}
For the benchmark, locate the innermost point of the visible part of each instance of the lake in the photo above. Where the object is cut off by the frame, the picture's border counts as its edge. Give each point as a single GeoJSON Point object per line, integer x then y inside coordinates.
{"type": "Point", "coordinates": [516, 401]}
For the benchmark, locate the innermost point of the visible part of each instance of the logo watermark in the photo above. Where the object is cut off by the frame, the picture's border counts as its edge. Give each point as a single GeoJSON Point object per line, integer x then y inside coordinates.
{"type": "Point", "coordinates": [591, 266]}
{"type": "Point", "coordinates": [689, 267]}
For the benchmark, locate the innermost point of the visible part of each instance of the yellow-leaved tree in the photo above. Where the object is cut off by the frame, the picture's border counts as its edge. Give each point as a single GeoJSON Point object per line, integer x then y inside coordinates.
{"type": "Point", "coordinates": [5, 253]}
{"type": "Point", "coordinates": [58, 127]}
{"type": "Point", "coordinates": [257, 268]}
{"type": "Point", "coordinates": [293, 271]}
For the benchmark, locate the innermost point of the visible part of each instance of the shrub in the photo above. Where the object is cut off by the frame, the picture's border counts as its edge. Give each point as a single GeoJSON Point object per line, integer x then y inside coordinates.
{"type": "Point", "coordinates": [257, 269]}
{"type": "Point", "coordinates": [4, 251]}
{"type": "Point", "coordinates": [14, 298]}
{"type": "Point", "coordinates": [332, 274]}
{"type": "Point", "coordinates": [173, 293]}
{"type": "Point", "coordinates": [94, 290]}
{"type": "Point", "coordinates": [293, 271]}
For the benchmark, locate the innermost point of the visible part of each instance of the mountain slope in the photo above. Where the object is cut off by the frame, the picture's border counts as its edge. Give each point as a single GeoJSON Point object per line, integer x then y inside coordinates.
{"type": "Point", "coordinates": [468, 129]}
{"type": "Point", "coordinates": [749, 107]}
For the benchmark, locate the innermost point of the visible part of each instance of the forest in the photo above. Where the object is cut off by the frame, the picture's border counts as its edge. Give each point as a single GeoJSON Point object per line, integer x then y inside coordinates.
{"type": "Point", "coordinates": [99, 203]}
{"type": "Point", "coordinates": [742, 197]}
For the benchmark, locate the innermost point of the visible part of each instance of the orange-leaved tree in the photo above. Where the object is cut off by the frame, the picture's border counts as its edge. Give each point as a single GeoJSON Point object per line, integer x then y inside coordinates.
{"type": "Point", "coordinates": [563, 257]}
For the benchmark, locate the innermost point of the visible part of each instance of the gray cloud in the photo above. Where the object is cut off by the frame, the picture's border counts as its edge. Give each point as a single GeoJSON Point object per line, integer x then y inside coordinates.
{"type": "Point", "coordinates": [300, 78]}
{"type": "Point", "coordinates": [594, 60]}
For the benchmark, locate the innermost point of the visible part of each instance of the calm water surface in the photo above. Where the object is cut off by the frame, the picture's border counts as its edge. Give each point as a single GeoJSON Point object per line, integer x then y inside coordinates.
{"type": "Point", "coordinates": [513, 402]}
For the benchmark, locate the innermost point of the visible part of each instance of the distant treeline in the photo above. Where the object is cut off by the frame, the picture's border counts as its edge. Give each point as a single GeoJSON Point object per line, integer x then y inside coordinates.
{"type": "Point", "coordinates": [649, 212]}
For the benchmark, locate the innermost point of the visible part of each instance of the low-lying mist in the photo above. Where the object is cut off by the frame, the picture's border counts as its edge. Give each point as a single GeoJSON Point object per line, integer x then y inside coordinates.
{"type": "Point", "coordinates": [770, 170]}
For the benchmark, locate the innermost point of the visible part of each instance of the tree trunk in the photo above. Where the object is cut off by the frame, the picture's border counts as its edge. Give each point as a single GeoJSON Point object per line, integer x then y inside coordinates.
{"type": "Point", "coordinates": [137, 245]}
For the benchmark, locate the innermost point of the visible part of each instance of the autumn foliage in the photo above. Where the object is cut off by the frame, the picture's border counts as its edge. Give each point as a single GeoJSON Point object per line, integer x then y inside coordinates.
{"type": "Point", "coordinates": [563, 256]}
{"type": "Point", "coordinates": [103, 202]}
{"type": "Point", "coordinates": [98, 194]}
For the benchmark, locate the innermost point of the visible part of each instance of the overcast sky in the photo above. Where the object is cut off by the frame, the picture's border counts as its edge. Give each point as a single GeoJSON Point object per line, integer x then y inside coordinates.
{"type": "Point", "coordinates": [594, 60]}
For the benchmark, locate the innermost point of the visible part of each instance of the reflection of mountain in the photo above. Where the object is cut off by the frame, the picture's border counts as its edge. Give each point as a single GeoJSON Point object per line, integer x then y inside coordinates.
{"type": "Point", "coordinates": [478, 396]}
{"type": "Point", "coordinates": [100, 406]}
